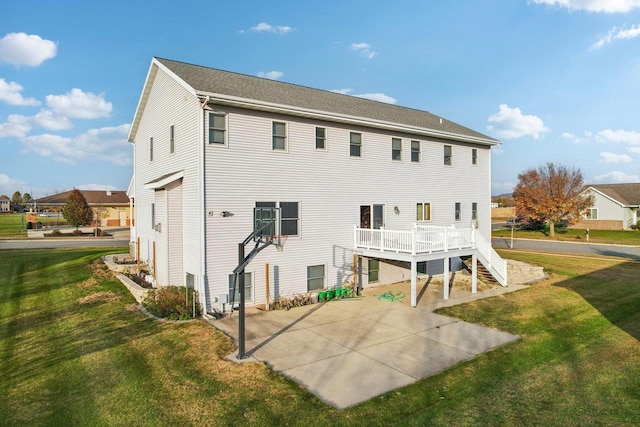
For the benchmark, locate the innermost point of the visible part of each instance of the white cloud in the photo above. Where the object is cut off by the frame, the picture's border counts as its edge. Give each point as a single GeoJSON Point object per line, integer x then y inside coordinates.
{"type": "Point", "coordinates": [81, 105]}
{"type": "Point", "coordinates": [22, 49]}
{"type": "Point", "coordinates": [16, 125]}
{"type": "Point", "coordinates": [624, 136]}
{"type": "Point", "coordinates": [10, 93]}
{"type": "Point", "coordinates": [614, 158]}
{"type": "Point", "coordinates": [511, 123]}
{"type": "Point", "coordinates": [571, 137]}
{"type": "Point", "coordinates": [96, 187]}
{"type": "Point", "coordinates": [617, 177]}
{"type": "Point", "coordinates": [105, 144]}
{"type": "Point", "coordinates": [377, 96]}
{"type": "Point", "coordinates": [616, 34]}
{"type": "Point", "coordinates": [273, 75]}
{"type": "Point", "coordinates": [635, 150]}
{"type": "Point", "coordinates": [9, 185]}
{"type": "Point", "coordinates": [606, 6]}
{"type": "Point", "coordinates": [364, 49]}
{"type": "Point", "coordinates": [50, 120]}
{"type": "Point", "coordinates": [263, 27]}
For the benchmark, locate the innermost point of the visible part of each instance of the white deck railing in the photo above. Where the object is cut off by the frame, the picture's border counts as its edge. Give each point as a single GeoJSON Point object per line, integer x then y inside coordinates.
{"type": "Point", "coordinates": [422, 239]}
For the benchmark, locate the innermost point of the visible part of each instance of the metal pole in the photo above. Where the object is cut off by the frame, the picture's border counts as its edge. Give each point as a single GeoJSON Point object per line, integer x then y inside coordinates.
{"type": "Point", "coordinates": [241, 354]}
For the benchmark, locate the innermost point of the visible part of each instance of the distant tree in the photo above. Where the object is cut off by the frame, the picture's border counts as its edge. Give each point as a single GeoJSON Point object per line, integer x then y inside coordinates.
{"type": "Point", "coordinates": [550, 194]}
{"type": "Point", "coordinates": [16, 199]}
{"type": "Point", "coordinates": [76, 210]}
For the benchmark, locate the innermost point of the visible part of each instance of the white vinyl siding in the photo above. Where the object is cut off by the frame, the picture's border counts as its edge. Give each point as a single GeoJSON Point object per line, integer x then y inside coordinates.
{"type": "Point", "coordinates": [329, 189]}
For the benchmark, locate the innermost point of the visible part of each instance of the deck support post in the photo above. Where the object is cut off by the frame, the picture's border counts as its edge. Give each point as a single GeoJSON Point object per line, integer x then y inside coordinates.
{"type": "Point", "coordinates": [414, 274]}
{"type": "Point", "coordinates": [474, 273]}
{"type": "Point", "coordinates": [445, 278]}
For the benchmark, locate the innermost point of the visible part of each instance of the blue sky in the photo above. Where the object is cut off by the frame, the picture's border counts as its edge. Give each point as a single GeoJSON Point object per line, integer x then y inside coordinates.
{"type": "Point", "coordinates": [554, 80]}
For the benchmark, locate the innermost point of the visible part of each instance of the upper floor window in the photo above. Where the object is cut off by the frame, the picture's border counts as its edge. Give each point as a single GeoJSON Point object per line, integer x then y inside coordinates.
{"type": "Point", "coordinates": [415, 151]}
{"type": "Point", "coordinates": [396, 149]}
{"type": "Point", "coordinates": [172, 141]}
{"type": "Point", "coordinates": [217, 128]}
{"type": "Point", "coordinates": [474, 156]}
{"type": "Point", "coordinates": [321, 138]}
{"type": "Point", "coordinates": [423, 212]}
{"type": "Point", "coordinates": [355, 144]}
{"type": "Point", "coordinates": [457, 212]}
{"type": "Point", "coordinates": [448, 155]}
{"type": "Point", "coordinates": [279, 141]}
{"type": "Point", "coordinates": [151, 149]}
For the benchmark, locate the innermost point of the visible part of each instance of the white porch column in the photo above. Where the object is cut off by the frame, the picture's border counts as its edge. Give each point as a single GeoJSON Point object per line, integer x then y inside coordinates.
{"type": "Point", "coordinates": [474, 273]}
{"type": "Point", "coordinates": [445, 278]}
{"type": "Point", "coordinates": [414, 274]}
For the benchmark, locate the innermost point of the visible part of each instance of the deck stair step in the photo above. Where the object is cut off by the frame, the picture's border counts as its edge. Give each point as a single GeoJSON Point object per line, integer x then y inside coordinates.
{"type": "Point", "coordinates": [483, 274]}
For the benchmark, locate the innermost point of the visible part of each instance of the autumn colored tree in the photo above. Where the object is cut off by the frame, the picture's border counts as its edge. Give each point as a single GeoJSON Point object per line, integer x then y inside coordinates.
{"type": "Point", "coordinates": [550, 194]}
{"type": "Point", "coordinates": [76, 210]}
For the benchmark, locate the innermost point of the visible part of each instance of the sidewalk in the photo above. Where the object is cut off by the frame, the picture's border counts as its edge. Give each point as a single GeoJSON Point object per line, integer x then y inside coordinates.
{"type": "Point", "coordinates": [349, 351]}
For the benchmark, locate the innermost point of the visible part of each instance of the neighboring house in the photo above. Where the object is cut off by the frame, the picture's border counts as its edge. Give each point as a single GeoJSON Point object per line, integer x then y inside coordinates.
{"type": "Point", "coordinates": [5, 204]}
{"type": "Point", "coordinates": [112, 207]}
{"type": "Point", "coordinates": [365, 188]}
{"type": "Point", "coordinates": [615, 207]}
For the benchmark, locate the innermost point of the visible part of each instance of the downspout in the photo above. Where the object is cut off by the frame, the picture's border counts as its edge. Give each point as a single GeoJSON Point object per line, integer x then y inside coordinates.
{"type": "Point", "coordinates": [201, 207]}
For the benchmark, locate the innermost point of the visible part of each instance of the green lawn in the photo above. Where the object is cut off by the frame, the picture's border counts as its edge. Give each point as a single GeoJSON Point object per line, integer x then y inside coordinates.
{"type": "Point", "coordinates": [615, 237]}
{"type": "Point", "coordinates": [12, 226]}
{"type": "Point", "coordinates": [74, 351]}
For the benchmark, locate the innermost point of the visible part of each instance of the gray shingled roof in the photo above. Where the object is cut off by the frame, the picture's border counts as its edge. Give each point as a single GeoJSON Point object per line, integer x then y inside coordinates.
{"type": "Point", "coordinates": [625, 194]}
{"type": "Point", "coordinates": [211, 80]}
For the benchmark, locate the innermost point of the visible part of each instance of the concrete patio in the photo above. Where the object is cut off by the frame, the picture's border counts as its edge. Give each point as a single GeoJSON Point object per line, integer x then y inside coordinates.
{"type": "Point", "coordinates": [349, 351]}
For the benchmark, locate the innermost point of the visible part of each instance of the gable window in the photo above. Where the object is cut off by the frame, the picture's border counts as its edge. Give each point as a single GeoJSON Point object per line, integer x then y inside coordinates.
{"type": "Point", "coordinates": [448, 156]}
{"type": "Point", "coordinates": [396, 149]}
{"type": "Point", "coordinates": [279, 141]}
{"type": "Point", "coordinates": [315, 277]}
{"type": "Point", "coordinates": [321, 138]}
{"type": "Point", "coordinates": [474, 156]}
{"type": "Point", "coordinates": [415, 151]}
{"type": "Point", "coordinates": [591, 213]}
{"type": "Point", "coordinates": [217, 128]}
{"type": "Point", "coordinates": [457, 212]}
{"type": "Point", "coordinates": [172, 141]}
{"type": "Point", "coordinates": [248, 288]}
{"type": "Point", "coordinates": [474, 211]}
{"type": "Point", "coordinates": [423, 212]}
{"type": "Point", "coordinates": [374, 270]}
{"type": "Point", "coordinates": [151, 149]}
{"type": "Point", "coordinates": [355, 144]}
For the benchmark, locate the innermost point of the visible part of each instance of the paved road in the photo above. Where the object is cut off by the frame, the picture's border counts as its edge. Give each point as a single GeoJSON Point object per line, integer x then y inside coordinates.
{"type": "Point", "coordinates": [37, 240]}
{"type": "Point", "coordinates": [632, 252]}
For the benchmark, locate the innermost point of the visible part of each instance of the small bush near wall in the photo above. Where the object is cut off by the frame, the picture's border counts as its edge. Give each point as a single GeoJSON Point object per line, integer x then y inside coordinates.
{"type": "Point", "coordinates": [173, 303]}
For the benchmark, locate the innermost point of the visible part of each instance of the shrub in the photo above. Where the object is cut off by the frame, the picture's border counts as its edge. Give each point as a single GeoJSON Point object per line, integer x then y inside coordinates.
{"type": "Point", "coordinates": [169, 302]}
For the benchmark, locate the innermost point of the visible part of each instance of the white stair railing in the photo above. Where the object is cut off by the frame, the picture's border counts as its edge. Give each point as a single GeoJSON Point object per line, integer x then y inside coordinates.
{"type": "Point", "coordinates": [490, 259]}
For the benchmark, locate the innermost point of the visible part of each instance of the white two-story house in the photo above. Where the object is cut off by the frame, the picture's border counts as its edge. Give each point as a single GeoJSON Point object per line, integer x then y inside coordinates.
{"type": "Point", "coordinates": [366, 189]}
